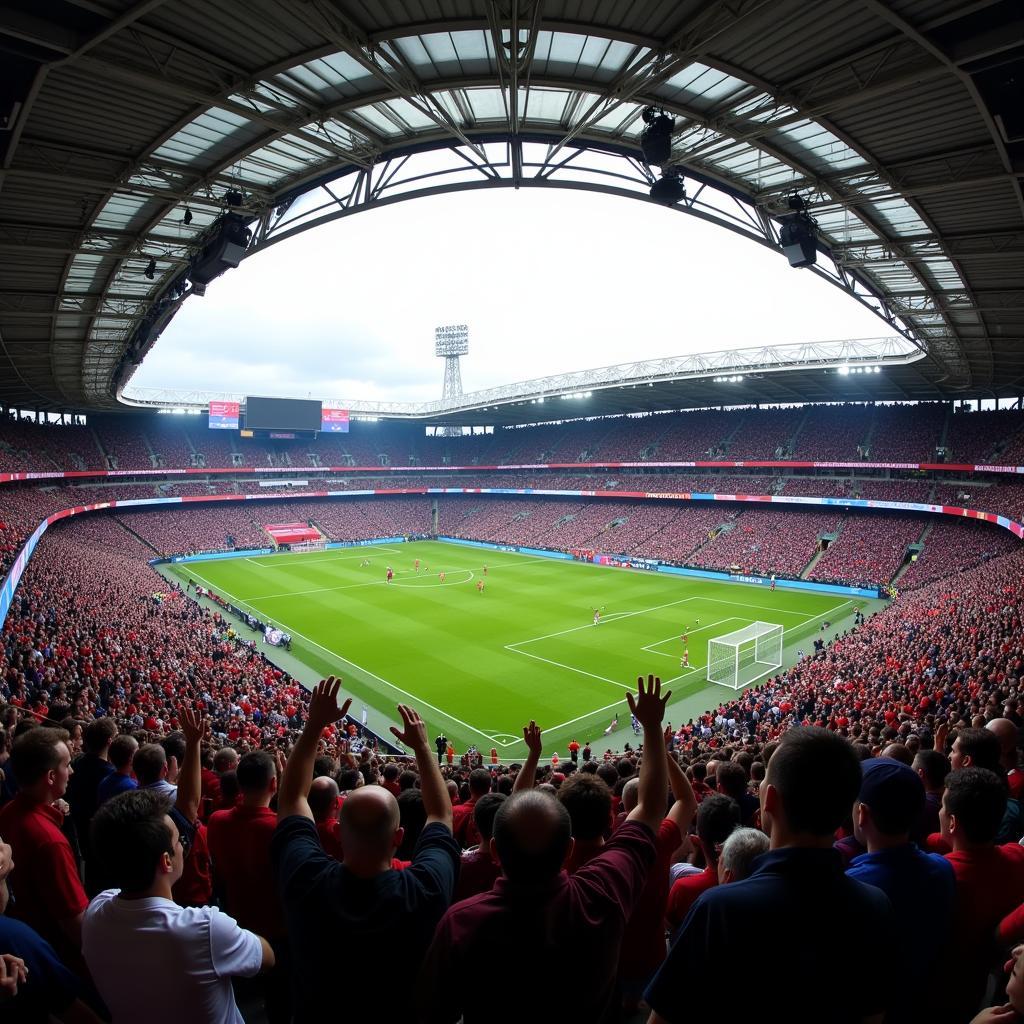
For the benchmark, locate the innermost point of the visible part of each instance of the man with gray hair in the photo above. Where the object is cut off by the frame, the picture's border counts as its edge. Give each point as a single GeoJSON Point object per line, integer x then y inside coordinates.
{"type": "Point", "coordinates": [739, 851]}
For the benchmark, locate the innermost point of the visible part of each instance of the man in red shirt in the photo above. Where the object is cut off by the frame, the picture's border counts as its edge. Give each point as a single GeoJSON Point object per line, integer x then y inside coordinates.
{"type": "Point", "coordinates": [989, 881]}
{"type": "Point", "coordinates": [324, 801]}
{"type": "Point", "coordinates": [463, 827]}
{"type": "Point", "coordinates": [717, 817]}
{"type": "Point", "coordinates": [239, 841]}
{"type": "Point", "coordinates": [549, 925]}
{"type": "Point", "coordinates": [48, 893]}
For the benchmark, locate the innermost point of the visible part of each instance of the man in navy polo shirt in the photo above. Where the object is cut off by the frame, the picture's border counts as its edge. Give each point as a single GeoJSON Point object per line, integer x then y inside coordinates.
{"type": "Point", "coordinates": [920, 885]}
{"type": "Point", "coordinates": [821, 940]}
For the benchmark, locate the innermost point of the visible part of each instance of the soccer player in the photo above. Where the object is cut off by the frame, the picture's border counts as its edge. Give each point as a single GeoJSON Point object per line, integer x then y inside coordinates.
{"type": "Point", "coordinates": [485, 570]}
{"type": "Point", "coordinates": [480, 586]}
{"type": "Point", "coordinates": [597, 616]}
{"type": "Point", "coordinates": [614, 725]}
{"type": "Point", "coordinates": [390, 574]}
{"type": "Point", "coordinates": [685, 661]}
{"type": "Point", "coordinates": [417, 565]}
{"type": "Point", "coordinates": [685, 638]}
{"type": "Point", "coordinates": [440, 576]}
{"type": "Point", "coordinates": [773, 582]}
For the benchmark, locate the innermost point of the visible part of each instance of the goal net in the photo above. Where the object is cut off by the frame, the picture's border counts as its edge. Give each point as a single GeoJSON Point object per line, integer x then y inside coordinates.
{"type": "Point", "coordinates": [740, 658]}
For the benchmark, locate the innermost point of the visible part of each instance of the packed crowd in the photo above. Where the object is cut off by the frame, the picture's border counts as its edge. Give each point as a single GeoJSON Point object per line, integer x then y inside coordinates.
{"type": "Point", "coordinates": [197, 818]}
{"type": "Point", "coordinates": [894, 433]}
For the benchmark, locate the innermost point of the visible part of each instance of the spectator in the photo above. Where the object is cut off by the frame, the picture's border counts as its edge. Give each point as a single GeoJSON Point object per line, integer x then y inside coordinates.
{"type": "Point", "coordinates": [463, 826]}
{"type": "Point", "coordinates": [240, 841]}
{"type": "Point", "coordinates": [122, 753]}
{"type": "Point", "coordinates": [989, 881]}
{"type": "Point", "coordinates": [49, 897]}
{"type": "Point", "coordinates": [919, 885]}
{"type": "Point", "coordinates": [34, 984]}
{"type": "Point", "coordinates": [812, 780]}
{"type": "Point", "coordinates": [548, 924]}
{"type": "Point", "coordinates": [733, 782]}
{"type": "Point", "coordinates": [479, 869]}
{"type": "Point", "coordinates": [717, 817]}
{"type": "Point", "coordinates": [323, 804]}
{"type": "Point", "coordinates": [89, 769]}
{"type": "Point", "coordinates": [589, 803]}
{"type": "Point", "coordinates": [739, 852]}
{"type": "Point", "coordinates": [363, 896]}
{"type": "Point", "coordinates": [1008, 735]}
{"type": "Point", "coordinates": [134, 933]}
{"type": "Point", "coordinates": [932, 767]}
{"type": "Point", "coordinates": [150, 767]}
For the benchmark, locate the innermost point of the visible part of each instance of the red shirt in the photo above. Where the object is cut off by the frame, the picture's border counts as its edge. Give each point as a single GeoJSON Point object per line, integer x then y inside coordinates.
{"type": "Point", "coordinates": [685, 892]}
{"type": "Point", "coordinates": [195, 887]}
{"type": "Point", "coordinates": [45, 879]}
{"type": "Point", "coordinates": [463, 825]}
{"type": "Point", "coordinates": [989, 883]}
{"type": "Point", "coordinates": [240, 847]}
{"type": "Point", "coordinates": [1015, 780]}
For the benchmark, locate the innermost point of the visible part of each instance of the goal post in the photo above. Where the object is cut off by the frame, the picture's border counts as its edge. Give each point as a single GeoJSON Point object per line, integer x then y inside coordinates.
{"type": "Point", "coordinates": [740, 658]}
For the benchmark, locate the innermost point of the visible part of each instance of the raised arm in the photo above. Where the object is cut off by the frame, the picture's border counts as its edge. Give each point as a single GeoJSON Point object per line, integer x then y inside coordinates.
{"type": "Point", "coordinates": [190, 778]}
{"type": "Point", "coordinates": [649, 707]}
{"type": "Point", "coordinates": [413, 736]}
{"type": "Point", "coordinates": [684, 809]}
{"type": "Point", "coordinates": [298, 772]}
{"type": "Point", "coordinates": [528, 776]}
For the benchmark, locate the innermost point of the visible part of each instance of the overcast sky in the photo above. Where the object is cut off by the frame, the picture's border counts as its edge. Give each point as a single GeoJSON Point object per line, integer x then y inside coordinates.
{"type": "Point", "coordinates": [548, 281]}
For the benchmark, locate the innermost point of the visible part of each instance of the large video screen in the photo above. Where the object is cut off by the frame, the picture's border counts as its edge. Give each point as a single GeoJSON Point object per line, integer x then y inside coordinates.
{"type": "Point", "coordinates": [282, 414]}
{"type": "Point", "coordinates": [223, 415]}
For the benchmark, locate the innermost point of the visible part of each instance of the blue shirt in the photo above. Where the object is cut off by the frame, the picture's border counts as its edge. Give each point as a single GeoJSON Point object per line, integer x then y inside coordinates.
{"type": "Point", "coordinates": [113, 784]}
{"type": "Point", "coordinates": [921, 887]}
{"type": "Point", "coordinates": [50, 989]}
{"type": "Point", "coordinates": [798, 941]}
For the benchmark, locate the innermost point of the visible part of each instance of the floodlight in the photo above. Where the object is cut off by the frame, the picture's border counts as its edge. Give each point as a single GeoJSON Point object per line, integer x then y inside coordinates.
{"type": "Point", "coordinates": [669, 188]}
{"type": "Point", "coordinates": [656, 137]}
{"type": "Point", "coordinates": [233, 198]}
{"type": "Point", "coordinates": [150, 270]}
{"type": "Point", "coordinates": [798, 240]}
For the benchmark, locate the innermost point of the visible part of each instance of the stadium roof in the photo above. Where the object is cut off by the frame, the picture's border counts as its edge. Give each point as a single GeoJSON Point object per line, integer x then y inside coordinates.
{"type": "Point", "coordinates": [899, 122]}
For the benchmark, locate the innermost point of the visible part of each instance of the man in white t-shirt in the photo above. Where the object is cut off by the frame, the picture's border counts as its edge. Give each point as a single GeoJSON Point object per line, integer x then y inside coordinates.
{"type": "Point", "coordinates": [151, 959]}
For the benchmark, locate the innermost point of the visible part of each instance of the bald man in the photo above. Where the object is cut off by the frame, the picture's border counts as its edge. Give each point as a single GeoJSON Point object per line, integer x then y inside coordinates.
{"type": "Point", "coordinates": [323, 802]}
{"type": "Point", "coordinates": [1009, 755]}
{"type": "Point", "coordinates": [362, 895]}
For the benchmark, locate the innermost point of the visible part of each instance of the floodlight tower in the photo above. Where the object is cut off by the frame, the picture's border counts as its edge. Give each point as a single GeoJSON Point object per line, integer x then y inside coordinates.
{"type": "Point", "coordinates": [450, 342]}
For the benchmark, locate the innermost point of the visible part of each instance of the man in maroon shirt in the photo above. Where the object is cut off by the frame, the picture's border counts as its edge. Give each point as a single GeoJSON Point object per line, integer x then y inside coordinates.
{"type": "Point", "coordinates": [549, 925]}
{"type": "Point", "coordinates": [48, 893]}
{"type": "Point", "coordinates": [989, 881]}
{"type": "Point", "coordinates": [239, 841]}
{"type": "Point", "coordinates": [1009, 737]}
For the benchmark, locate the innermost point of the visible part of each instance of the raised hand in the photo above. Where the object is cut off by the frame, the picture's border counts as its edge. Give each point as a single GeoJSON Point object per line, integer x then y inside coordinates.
{"type": "Point", "coordinates": [414, 733]}
{"type": "Point", "coordinates": [13, 973]}
{"type": "Point", "coordinates": [323, 704]}
{"type": "Point", "coordinates": [648, 705]}
{"type": "Point", "coordinates": [193, 725]}
{"type": "Point", "coordinates": [532, 738]}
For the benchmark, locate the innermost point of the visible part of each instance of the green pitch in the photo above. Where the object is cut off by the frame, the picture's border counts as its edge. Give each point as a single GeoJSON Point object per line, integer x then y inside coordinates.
{"type": "Point", "coordinates": [480, 665]}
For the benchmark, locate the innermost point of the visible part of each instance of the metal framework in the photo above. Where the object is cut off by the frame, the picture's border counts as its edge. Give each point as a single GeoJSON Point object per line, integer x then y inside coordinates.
{"type": "Point", "coordinates": [137, 117]}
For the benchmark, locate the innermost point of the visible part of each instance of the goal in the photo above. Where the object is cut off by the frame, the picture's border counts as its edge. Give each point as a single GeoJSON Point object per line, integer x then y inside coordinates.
{"type": "Point", "coordinates": [745, 655]}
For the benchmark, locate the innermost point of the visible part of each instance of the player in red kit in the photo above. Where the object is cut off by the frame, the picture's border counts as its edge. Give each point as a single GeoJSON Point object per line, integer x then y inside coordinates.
{"type": "Point", "coordinates": [480, 586]}
{"type": "Point", "coordinates": [391, 574]}
{"type": "Point", "coordinates": [417, 564]}
{"type": "Point", "coordinates": [685, 661]}
{"type": "Point", "coordinates": [440, 576]}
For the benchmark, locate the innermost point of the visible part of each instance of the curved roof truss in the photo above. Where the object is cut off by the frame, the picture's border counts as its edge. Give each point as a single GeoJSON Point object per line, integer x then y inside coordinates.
{"type": "Point", "coordinates": [891, 119]}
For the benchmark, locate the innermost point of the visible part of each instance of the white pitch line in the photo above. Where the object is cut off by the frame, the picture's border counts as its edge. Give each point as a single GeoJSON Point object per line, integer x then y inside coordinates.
{"type": "Point", "coordinates": [298, 560]}
{"type": "Point", "coordinates": [373, 675]}
{"type": "Point", "coordinates": [589, 625]}
{"type": "Point", "coordinates": [571, 668]}
{"type": "Point", "coordinates": [675, 636]}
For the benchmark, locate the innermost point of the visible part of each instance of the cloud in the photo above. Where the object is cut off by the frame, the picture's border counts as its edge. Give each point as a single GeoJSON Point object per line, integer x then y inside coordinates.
{"type": "Point", "coordinates": [548, 281]}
